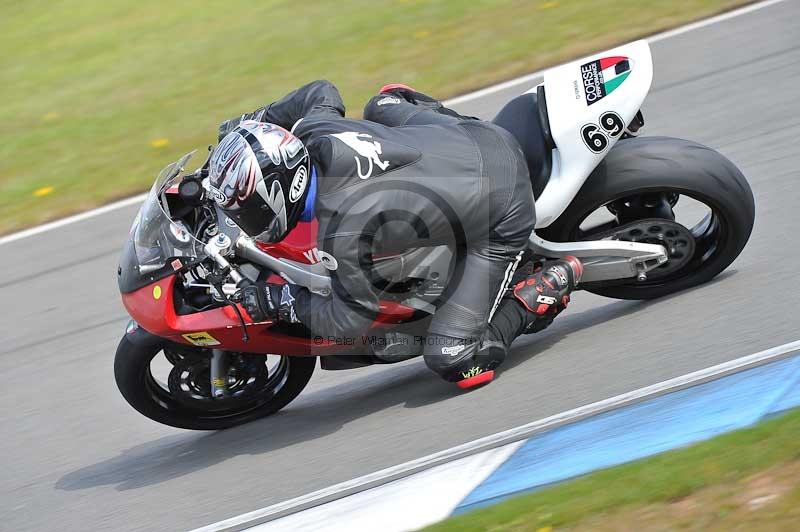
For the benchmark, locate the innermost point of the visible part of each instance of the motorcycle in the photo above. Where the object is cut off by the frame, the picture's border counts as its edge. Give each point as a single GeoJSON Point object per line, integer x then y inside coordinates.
{"type": "Point", "coordinates": [192, 358]}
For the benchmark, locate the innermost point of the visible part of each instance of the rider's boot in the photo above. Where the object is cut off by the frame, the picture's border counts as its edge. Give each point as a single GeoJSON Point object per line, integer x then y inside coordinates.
{"type": "Point", "coordinates": [405, 92]}
{"type": "Point", "coordinates": [413, 96]}
{"type": "Point", "coordinates": [545, 294]}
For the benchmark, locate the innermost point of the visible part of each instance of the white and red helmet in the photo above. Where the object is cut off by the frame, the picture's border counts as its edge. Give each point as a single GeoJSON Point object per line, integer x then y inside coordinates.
{"type": "Point", "coordinates": [259, 175]}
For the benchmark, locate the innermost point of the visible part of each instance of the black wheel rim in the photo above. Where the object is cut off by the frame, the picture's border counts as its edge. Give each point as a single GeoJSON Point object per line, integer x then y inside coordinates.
{"type": "Point", "coordinates": [709, 231]}
{"type": "Point", "coordinates": [254, 381]}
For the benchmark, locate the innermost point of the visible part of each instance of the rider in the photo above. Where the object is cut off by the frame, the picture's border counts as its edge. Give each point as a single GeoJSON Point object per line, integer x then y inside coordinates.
{"type": "Point", "coordinates": [413, 174]}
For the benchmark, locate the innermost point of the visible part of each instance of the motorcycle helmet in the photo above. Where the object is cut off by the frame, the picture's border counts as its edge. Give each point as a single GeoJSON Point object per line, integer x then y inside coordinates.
{"type": "Point", "coordinates": [259, 175]}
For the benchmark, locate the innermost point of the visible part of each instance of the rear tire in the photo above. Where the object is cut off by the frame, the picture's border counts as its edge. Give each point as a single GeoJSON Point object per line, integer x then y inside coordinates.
{"type": "Point", "coordinates": [133, 375]}
{"type": "Point", "coordinates": [667, 165]}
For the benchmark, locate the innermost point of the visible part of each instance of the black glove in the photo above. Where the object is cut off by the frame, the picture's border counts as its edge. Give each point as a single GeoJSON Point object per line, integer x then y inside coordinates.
{"type": "Point", "coordinates": [274, 302]}
{"type": "Point", "coordinates": [228, 125]}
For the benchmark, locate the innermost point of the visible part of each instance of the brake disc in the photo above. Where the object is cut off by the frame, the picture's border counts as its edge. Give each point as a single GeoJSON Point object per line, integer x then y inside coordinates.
{"type": "Point", "coordinates": [189, 379]}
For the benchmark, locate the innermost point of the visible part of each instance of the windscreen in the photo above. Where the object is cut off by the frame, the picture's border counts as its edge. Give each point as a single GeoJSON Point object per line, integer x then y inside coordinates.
{"type": "Point", "coordinates": [158, 238]}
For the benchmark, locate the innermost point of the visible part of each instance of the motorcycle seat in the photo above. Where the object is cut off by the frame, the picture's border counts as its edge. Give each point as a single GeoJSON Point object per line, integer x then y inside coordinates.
{"type": "Point", "coordinates": [525, 117]}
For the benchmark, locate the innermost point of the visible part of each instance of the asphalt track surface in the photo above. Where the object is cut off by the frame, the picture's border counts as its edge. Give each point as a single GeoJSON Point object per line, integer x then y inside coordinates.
{"type": "Point", "coordinates": [74, 456]}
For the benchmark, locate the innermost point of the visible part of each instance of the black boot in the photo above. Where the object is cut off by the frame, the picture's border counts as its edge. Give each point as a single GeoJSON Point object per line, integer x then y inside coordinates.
{"type": "Point", "coordinates": [409, 94]}
{"type": "Point", "coordinates": [413, 96]}
{"type": "Point", "coordinates": [545, 294]}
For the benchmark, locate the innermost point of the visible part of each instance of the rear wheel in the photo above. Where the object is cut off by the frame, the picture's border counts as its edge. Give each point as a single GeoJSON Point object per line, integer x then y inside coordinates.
{"type": "Point", "coordinates": [661, 190]}
{"type": "Point", "coordinates": [170, 383]}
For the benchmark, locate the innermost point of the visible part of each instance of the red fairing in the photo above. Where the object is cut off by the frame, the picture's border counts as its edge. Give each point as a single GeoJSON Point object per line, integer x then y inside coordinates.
{"type": "Point", "coordinates": [299, 244]}
{"type": "Point", "coordinates": [153, 308]}
{"type": "Point", "coordinates": [157, 316]}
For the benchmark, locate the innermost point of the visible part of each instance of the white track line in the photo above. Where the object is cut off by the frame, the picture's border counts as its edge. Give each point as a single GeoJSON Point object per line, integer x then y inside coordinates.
{"type": "Point", "coordinates": [127, 202]}
{"type": "Point", "coordinates": [528, 78]}
{"type": "Point", "coordinates": [397, 472]}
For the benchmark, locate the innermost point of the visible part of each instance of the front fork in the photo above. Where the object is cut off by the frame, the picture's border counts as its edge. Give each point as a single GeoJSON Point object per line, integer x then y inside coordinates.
{"type": "Point", "coordinates": [218, 372]}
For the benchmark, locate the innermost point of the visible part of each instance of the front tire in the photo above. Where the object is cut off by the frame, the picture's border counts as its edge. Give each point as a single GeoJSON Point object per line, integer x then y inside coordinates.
{"type": "Point", "coordinates": [161, 403]}
{"type": "Point", "coordinates": [670, 167]}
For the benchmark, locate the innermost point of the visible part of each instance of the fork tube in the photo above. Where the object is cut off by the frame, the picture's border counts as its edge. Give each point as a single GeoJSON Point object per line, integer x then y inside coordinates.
{"type": "Point", "coordinates": [219, 373]}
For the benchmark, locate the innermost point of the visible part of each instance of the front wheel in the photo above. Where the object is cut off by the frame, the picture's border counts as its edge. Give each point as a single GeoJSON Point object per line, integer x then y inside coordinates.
{"type": "Point", "coordinates": [170, 383]}
{"type": "Point", "coordinates": [677, 193]}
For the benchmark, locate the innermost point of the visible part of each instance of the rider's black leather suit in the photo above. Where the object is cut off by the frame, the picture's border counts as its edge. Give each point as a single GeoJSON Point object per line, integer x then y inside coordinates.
{"type": "Point", "coordinates": [410, 176]}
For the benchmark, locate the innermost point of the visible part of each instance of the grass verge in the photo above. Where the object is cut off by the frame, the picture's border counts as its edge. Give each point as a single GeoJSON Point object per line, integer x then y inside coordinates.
{"type": "Point", "coordinates": [97, 96]}
{"type": "Point", "coordinates": [748, 479]}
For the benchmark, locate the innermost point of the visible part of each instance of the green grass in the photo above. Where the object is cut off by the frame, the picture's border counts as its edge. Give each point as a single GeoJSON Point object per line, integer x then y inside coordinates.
{"type": "Point", "coordinates": [87, 86]}
{"type": "Point", "coordinates": [691, 484]}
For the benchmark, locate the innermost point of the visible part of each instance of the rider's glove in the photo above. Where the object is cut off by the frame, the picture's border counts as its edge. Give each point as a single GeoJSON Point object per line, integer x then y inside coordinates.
{"type": "Point", "coordinates": [274, 302]}
{"type": "Point", "coordinates": [228, 125]}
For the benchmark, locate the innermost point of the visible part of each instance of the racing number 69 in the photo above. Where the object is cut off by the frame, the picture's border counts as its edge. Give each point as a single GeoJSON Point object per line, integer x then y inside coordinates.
{"type": "Point", "coordinates": [597, 140]}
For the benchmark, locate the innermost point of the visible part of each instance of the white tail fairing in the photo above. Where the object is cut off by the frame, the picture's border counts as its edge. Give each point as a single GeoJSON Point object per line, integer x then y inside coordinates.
{"type": "Point", "coordinates": [590, 102]}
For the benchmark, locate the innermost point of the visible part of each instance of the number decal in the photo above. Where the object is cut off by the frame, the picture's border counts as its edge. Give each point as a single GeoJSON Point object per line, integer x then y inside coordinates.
{"type": "Point", "coordinates": [612, 123]}
{"type": "Point", "coordinates": [595, 140]}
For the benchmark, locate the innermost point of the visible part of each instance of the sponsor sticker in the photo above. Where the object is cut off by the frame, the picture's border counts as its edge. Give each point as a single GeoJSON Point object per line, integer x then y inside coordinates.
{"type": "Point", "coordinates": [453, 350]}
{"type": "Point", "coordinates": [546, 300]}
{"type": "Point", "coordinates": [603, 76]}
{"type": "Point", "coordinates": [176, 264]}
{"type": "Point", "coordinates": [367, 150]}
{"type": "Point", "coordinates": [389, 100]}
{"type": "Point", "coordinates": [156, 292]}
{"type": "Point", "coordinates": [314, 256]}
{"type": "Point", "coordinates": [471, 372]}
{"type": "Point", "coordinates": [298, 185]}
{"type": "Point", "coordinates": [201, 339]}
{"type": "Point", "coordinates": [217, 195]}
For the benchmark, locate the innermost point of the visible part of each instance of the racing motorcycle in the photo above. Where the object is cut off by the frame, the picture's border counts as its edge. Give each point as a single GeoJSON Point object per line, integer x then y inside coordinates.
{"type": "Point", "coordinates": [647, 216]}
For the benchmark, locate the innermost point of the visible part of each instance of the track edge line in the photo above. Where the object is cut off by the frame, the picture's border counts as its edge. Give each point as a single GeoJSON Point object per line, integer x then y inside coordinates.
{"type": "Point", "coordinates": [391, 474]}
{"type": "Point", "coordinates": [479, 93]}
